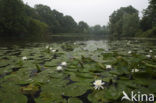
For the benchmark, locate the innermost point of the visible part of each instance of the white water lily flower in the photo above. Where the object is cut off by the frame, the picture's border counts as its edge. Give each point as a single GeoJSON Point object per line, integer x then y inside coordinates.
{"type": "Point", "coordinates": [50, 48]}
{"type": "Point", "coordinates": [24, 58]}
{"type": "Point", "coordinates": [75, 43]}
{"type": "Point", "coordinates": [150, 51]}
{"type": "Point", "coordinates": [129, 52]}
{"type": "Point", "coordinates": [53, 50]}
{"type": "Point", "coordinates": [135, 70]}
{"type": "Point", "coordinates": [98, 84]}
{"type": "Point", "coordinates": [149, 56]}
{"type": "Point", "coordinates": [47, 47]}
{"type": "Point", "coordinates": [155, 56]}
{"type": "Point", "coordinates": [64, 63]}
{"type": "Point", "coordinates": [108, 67]}
{"type": "Point", "coordinates": [59, 68]}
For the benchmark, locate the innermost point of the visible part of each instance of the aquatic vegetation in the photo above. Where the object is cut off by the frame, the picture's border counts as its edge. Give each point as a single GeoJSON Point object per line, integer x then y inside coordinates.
{"type": "Point", "coordinates": [24, 58]}
{"type": "Point", "coordinates": [47, 47]}
{"type": "Point", "coordinates": [129, 52]}
{"type": "Point", "coordinates": [108, 67]}
{"type": "Point", "coordinates": [98, 84]}
{"type": "Point", "coordinates": [59, 68]}
{"type": "Point", "coordinates": [97, 74]}
{"type": "Point", "coordinates": [53, 50]}
{"type": "Point", "coordinates": [135, 70]}
{"type": "Point", "coordinates": [64, 64]}
{"type": "Point", "coordinates": [150, 51]}
{"type": "Point", "coordinates": [148, 56]}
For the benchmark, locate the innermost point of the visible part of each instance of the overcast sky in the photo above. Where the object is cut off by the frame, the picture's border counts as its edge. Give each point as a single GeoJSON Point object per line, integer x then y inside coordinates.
{"type": "Point", "coordinates": [91, 11]}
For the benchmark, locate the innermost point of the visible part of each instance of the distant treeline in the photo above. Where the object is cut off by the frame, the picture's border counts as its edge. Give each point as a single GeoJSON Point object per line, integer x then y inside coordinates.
{"type": "Point", "coordinates": [125, 22]}
{"type": "Point", "coordinates": [19, 20]}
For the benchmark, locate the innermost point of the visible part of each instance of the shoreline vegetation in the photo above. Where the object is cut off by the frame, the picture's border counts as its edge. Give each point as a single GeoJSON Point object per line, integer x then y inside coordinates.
{"type": "Point", "coordinates": [19, 20]}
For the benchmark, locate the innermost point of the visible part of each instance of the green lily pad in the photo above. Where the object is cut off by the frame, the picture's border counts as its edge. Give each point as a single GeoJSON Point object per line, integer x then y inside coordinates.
{"type": "Point", "coordinates": [76, 89]}
{"type": "Point", "coordinates": [74, 100]}
{"type": "Point", "coordinates": [10, 93]}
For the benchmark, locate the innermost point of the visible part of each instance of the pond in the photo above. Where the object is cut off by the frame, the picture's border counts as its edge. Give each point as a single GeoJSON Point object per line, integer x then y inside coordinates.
{"type": "Point", "coordinates": [83, 71]}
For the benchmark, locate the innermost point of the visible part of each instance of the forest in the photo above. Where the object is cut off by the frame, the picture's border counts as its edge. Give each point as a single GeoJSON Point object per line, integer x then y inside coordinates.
{"type": "Point", "coordinates": [19, 20]}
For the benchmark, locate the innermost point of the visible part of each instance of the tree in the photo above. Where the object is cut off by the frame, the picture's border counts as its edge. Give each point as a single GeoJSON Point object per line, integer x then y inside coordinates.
{"type": "Point", "coordinates": [149, 16]}
{"type": "Point", "coordinates": [12, 22]}
{"type": "Point", "coordinates": [83, 27]}
{"type": "Point", "coordinates": [97, 29]}
{"type": "Point", "coordinates": [57, 22]}
{"type": "Point", "coordinates": [45, 15]}
{"type": "Point", "coordinates": [19, 20]}
{"type": "Point", "coordinates": [130, 24]}
{"type": "Point", "coordinates": [69, 25]}
{"type": "Point", "coordinates": [123, 21]}
{"type": "Point", "coordinates": [36, 29]}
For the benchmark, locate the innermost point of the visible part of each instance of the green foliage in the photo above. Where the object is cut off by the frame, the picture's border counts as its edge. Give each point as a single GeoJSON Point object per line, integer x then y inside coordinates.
{"type": "Point", "coordinates": [148, 33]}
{"type": "Point", "coordinates": [124, 22]}
{"type": "Point", "coordinates": [98, 30]}
{"type": "Point", "coordinates": [17, 20]}
{"type": "Point", "coordinates": [12, 22]}
{"type": "Point", "coordinates": [149, 18]}
{"type": "Point", "coordinates": [38, 79]}
{"type": "Point", "coordinates": [36, 28]}
{"type": "Point", "coordinates": [57, 22]}
{"type": "Point", "coordinates": [148, 22]}
{"type": "Point", "coordinates": [130, 25]}
{"type": "Point", "coordinates": [83, 27]}
{"type": "Point", "coordinates": [74, 100]}
{"type": "Point", "coordinates": [69, 25]}
{"type": "Point", "coordinates": [21, 21]}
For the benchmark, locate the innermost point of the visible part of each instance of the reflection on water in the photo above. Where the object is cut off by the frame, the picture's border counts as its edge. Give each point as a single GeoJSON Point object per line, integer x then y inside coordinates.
{"type": "Point", "coordinates": [91, 41]}
{"type": "Point", "coordinates": [92, 45]}
{"type": "Point", "coordinates": [75, 38]}
{"type": "Point", "coordinates": [86, 43]}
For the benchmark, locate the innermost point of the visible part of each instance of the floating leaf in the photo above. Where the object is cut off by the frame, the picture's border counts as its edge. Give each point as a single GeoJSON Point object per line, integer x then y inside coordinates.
{"type": "Point", "coordinates": [74, 100]}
